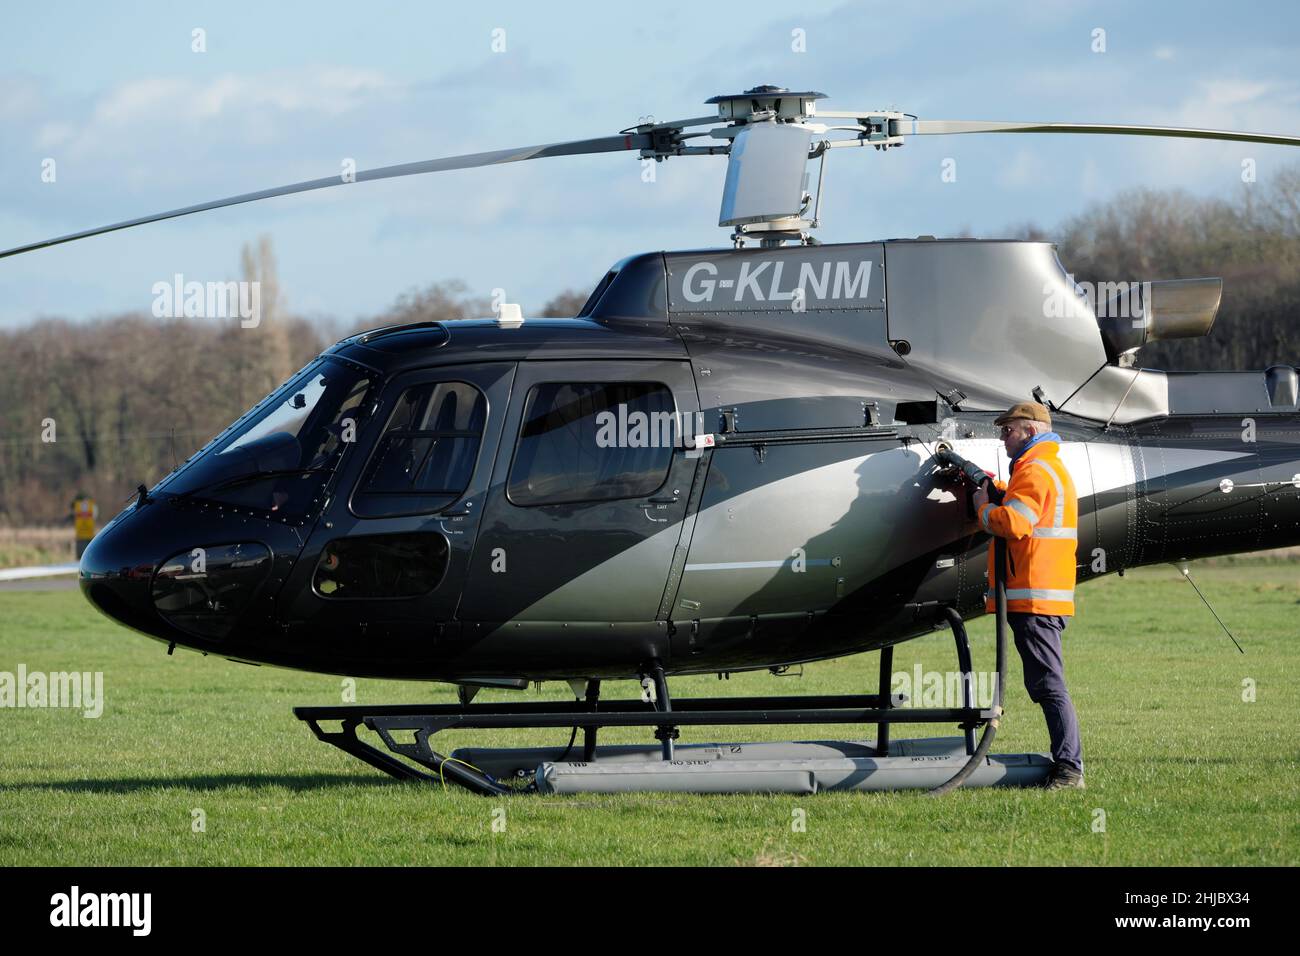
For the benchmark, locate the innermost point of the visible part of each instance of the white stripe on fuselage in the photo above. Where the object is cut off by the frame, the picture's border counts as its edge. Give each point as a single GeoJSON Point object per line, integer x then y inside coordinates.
{"type": "Point", "coordinates": [1159, 462]}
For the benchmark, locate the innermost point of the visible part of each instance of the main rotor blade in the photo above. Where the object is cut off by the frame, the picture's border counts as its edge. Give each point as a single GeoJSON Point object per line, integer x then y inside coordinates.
{"type": "Point", "coordinates": [603, 144]}
{"type": "Point", "coordinates": [944, 127]}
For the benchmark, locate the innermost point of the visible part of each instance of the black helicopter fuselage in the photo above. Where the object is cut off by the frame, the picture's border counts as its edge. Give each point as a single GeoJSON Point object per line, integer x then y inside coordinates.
{"type": "Point", "coordinates": [725, 462]}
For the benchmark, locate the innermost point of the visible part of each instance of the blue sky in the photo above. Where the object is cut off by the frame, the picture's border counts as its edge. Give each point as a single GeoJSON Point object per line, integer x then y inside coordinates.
{"type": "Point", "coordinates": [137, 122]}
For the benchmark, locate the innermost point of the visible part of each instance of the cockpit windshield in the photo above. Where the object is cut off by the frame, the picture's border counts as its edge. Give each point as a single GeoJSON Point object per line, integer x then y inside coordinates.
{"type": "Point", "coordinates": [279, 460]}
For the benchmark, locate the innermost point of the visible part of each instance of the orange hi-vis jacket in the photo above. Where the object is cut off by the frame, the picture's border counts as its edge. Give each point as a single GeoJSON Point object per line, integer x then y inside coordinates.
{"type": "Point", "coordinates": [1039, 517]}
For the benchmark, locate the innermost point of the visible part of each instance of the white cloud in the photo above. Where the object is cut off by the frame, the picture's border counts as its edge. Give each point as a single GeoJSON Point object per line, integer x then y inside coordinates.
{"type": "Point", "coordinates": [326, 92]}
{"type": "Point", "coordinates": [1228, 103]}
{"type": "Point", "coordinates": [147, 144]}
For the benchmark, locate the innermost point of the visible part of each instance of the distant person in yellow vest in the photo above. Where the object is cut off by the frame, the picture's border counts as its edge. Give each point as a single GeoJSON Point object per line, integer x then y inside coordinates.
{"type": "Point", "coordinates": [84, 514]}
{"type": "Point", "coordinates": [1039, 517]}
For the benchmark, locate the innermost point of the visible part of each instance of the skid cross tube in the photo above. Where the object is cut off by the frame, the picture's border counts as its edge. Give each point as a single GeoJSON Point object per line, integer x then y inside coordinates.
{"type": "Point", "coordinates": [589, 733]}
{"type": "Point", "coordinates": [963, 661]}
{"type": "Point", "coordinates": [886, 677]}
{"type": "Point", "coordinates": [666, 733]}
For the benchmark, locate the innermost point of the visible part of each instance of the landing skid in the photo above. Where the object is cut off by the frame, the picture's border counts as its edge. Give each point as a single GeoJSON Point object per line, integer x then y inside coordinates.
{"type": "Point", "coordinates": [938, 764]}
{"type": "Point", "coordinates": [793, 767]}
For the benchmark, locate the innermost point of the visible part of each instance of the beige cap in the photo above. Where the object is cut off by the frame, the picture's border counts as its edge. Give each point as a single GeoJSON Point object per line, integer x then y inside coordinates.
{"type": "Point", "coordinates": [1030, 410]}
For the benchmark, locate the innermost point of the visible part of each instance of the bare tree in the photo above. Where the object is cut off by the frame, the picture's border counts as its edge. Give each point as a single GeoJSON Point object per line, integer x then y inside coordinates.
{"type": "Point", "coordinates": [566, 304]}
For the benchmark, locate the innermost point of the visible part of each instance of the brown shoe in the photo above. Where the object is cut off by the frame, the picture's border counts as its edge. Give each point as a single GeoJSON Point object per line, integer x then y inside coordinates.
{"type": "Point", "coordinates": [1063, 778]}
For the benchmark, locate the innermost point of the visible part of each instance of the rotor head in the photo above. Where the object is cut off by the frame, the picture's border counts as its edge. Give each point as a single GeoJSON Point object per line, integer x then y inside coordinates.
{"type": "Point", "coordinates": [767, 101]}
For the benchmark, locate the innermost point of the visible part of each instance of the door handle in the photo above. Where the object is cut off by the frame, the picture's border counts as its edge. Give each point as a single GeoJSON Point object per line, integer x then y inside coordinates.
{"type": "Point", "coordinates": [658, 505]}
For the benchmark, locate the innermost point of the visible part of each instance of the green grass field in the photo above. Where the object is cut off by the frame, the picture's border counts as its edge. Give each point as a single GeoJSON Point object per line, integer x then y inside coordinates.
{"type": "Point", "coordinates": [1184, 770]}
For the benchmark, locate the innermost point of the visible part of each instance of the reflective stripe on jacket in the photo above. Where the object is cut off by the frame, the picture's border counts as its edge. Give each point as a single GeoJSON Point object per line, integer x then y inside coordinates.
{"type": "Point", "coordinates": [1039, 517]}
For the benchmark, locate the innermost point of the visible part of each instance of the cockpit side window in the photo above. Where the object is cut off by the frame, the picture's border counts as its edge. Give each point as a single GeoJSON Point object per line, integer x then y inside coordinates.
{"type": "Point", "coordinates": [425, 458]}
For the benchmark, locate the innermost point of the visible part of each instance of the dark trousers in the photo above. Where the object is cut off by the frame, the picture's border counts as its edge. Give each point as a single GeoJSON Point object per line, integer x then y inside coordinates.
{"type": "Point", "coordinates": [1038, 639]}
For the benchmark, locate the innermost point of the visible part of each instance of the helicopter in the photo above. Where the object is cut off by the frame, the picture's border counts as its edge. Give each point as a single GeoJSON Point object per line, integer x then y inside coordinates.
{"type": "Point", "coordinates": [730, 459]}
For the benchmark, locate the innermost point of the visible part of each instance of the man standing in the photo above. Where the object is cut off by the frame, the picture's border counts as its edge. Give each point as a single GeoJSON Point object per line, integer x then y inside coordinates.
{"type": "Point", "coordinates": [1039, 517]}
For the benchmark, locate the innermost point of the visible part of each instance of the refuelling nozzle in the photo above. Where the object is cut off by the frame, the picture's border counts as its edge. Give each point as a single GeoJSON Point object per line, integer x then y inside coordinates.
{"type": "Point", "coordinates": [972, 472]}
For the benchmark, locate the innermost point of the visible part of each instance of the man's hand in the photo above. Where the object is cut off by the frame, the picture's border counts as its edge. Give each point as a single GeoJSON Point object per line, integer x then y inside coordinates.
{"type": "Point", "coordinates": [980, 497]}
